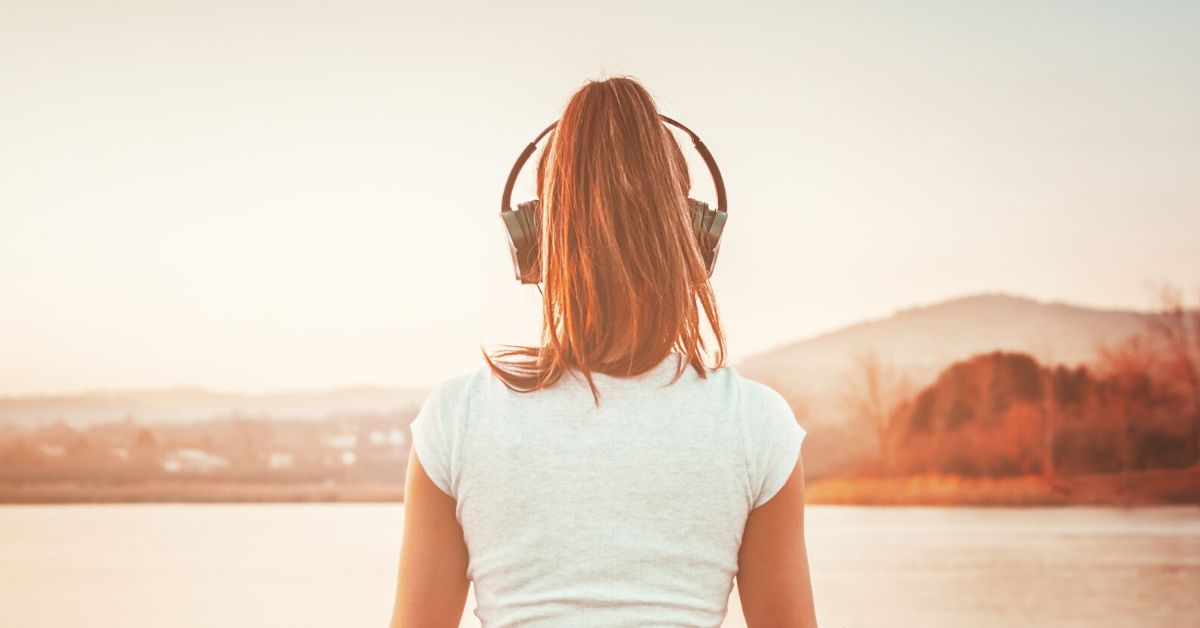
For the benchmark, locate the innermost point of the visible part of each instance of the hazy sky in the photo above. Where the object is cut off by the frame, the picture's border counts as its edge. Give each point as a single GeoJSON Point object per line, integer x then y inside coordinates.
{"type": "Point", "coordinates": [268, 195]}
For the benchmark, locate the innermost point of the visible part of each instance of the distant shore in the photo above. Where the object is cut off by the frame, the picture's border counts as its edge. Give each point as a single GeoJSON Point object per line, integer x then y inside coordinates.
{"type": "Point", "coordinates": [1142, 488]}
{"type": "Point", "coordinates": [198, 492]}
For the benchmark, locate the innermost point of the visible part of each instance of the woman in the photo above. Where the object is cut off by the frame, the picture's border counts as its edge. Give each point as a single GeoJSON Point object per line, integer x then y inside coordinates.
{"type": "Point", "coordinates": [609, 476]}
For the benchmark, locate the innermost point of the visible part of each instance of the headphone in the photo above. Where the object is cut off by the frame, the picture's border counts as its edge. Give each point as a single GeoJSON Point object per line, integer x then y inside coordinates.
{"type": "Point", "coordinates": [521, 224]}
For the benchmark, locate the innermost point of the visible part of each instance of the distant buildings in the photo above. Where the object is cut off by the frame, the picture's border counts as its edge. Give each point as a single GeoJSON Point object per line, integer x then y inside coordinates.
{"type": "Point", "coordinates": [394, 437]}
{"type": "Point", "coordinates": [280, 460]}
{"type": "Point", "coordinates": [192, 461]}
{"type": "Point", "coordinates": [344, 440]}
{"type": "Point", "coordinates": [345, 449]}
{"type": "Point", "coordinates": [52, 451]}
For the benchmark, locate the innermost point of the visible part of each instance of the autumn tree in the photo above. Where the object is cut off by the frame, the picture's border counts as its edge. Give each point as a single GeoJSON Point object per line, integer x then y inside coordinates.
{"type": "Point", "coordinates": [872, 391]}
{"type": "Point", "coordinates": [1050, 410]}
{"type": "Point", "coordinates": [1177, 330]}
{"type": "Point", "coordinates": [146, 442]}
{"type": "Point", "coordinates": [1127, 392]}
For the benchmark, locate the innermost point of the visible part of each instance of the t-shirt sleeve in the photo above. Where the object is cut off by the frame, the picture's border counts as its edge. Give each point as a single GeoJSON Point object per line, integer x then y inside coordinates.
{"type": "Point", "coordinates": [773, 439]}
{"type": "Point", "coordinates": [437, 431]}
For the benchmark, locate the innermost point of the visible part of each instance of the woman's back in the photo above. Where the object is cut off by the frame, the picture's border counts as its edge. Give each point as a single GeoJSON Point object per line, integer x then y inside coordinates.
{"type": "Point", "coordinates": [572, 496]}
{"type": "Point", "coordinates": [629, 513]}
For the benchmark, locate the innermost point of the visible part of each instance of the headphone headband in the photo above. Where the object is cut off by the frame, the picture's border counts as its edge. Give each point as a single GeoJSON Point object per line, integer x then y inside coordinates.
{"type": "Point", "coordinates": [718, 182]}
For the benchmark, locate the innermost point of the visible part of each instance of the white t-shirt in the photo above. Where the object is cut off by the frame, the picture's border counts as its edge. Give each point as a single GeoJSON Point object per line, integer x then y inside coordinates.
{"type": "Point", "coordinates": [630, 514]}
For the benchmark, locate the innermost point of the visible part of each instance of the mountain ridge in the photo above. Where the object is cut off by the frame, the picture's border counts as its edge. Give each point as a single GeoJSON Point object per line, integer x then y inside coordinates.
{"type": "Point", "coordinates": [940, 332]}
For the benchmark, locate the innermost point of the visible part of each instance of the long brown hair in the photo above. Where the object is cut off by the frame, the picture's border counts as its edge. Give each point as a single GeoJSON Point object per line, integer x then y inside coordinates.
{"type": "Point", "coordinates": [623, 278]}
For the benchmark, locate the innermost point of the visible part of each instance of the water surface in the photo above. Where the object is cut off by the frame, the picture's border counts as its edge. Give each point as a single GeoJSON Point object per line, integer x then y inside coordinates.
{"type": "Point", "coordinates": [209, 566]}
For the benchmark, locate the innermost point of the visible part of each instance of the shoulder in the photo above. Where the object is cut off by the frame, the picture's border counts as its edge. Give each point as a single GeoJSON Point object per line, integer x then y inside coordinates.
{"type": "Point", "coordinates": [769, 424]}
{"type": "Point", "coordinates": [439, 426]}
{"type": "Point", "coordinates": [453, 393]}
{"type": "Point", "coordinates": [454, 385]}
{"type": "Point", "coordinates": [772, 438]}
{"type": "Point", "coordinates": [753, 399]}
{"type": "Point", "coordinates": [758, 399]}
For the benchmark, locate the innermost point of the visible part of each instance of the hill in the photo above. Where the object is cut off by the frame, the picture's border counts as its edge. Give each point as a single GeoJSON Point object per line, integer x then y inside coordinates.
{"type": "Point", "coordinates": [194, 404]}
{"type": "Point", "coordinates": [922, 340]}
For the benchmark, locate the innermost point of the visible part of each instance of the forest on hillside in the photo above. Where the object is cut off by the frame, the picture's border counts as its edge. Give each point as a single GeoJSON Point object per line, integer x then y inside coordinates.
{"type": "Point", "coordinates": [1004, 413]}
{"type": "Point", "coordinates": [1135, 407]}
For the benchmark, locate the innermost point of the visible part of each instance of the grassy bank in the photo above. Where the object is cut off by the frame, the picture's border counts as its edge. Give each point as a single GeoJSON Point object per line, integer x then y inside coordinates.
{"type": "Point", "coordinates": [1141, 488]}
{"type": "Point", "coordinates": [1169, 486]}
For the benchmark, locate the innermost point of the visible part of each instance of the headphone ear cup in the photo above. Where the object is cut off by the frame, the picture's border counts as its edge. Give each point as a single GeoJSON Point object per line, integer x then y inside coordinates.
{"type": "Point", "coordinates": [707, 226]}
{"type": "Point", "coordinates": [522, 227]}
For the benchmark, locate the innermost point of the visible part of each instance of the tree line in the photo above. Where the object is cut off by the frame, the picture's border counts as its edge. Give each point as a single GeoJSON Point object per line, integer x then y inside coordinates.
{"type": "Point", "coordinates": [1136, 406]}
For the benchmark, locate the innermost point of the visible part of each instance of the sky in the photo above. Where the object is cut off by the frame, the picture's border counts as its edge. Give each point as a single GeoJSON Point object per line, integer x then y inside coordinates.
{"type": "Point", "coordinates": [264, 196]}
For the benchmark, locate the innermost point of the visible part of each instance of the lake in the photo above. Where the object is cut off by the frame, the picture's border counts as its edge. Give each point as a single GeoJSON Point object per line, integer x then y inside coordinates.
{"type": "Point", "coordinates": [207, 566]}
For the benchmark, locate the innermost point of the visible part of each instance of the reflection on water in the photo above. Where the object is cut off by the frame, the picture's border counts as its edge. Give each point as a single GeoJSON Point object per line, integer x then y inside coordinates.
{"type": "Point", "coordinates": [202, 566]}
